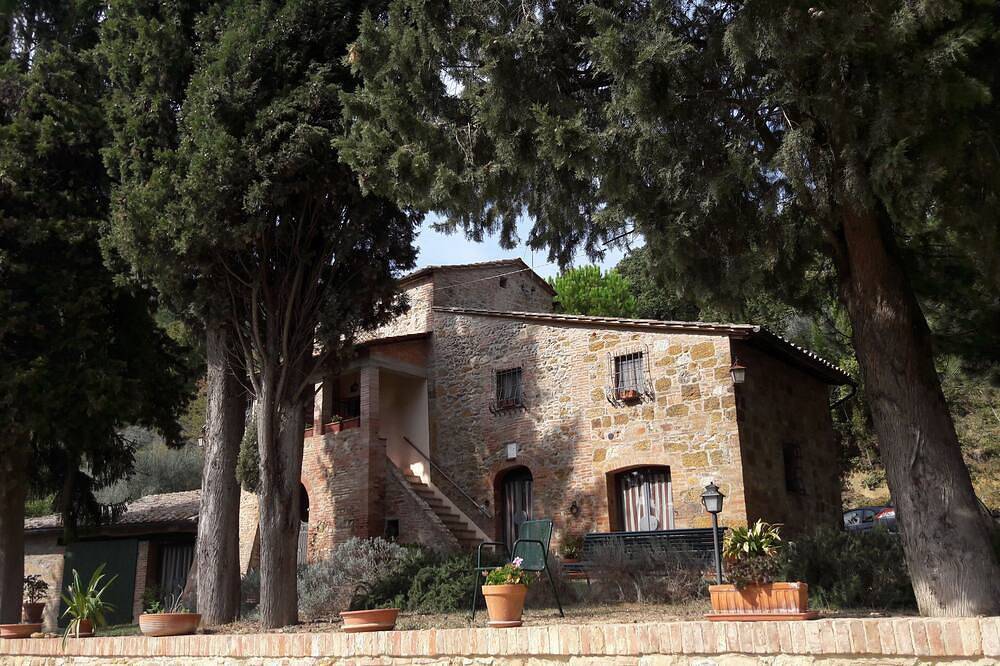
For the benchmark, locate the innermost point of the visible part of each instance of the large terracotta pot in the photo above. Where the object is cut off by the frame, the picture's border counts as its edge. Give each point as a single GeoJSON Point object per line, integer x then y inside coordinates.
{"type": "Point", "coordinates": [378, 619]}
{"type": "Point", "coordinates": [33, 612]}
{"type": "Point", "coordinates": [768, 601]}
{"type": "Point", "coordinates": [19, 630]}
{"type": "Point", "coordinates": [169, 624]}
{"type": "Point", "coordinates": [505, 604]}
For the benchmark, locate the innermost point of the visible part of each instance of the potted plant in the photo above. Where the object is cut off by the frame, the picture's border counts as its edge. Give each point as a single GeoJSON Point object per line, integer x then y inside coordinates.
{"type": "Point", "coordinates": [85, 604]}
{"type": "Point", "coordinates": [628, 394]}
{"type": "Point", "coordinates": [752, 560]}
{"type": "Point", "coordinates": [35, 590]}
{"type": "Point", "coordinates": [504, 591]}
{"type": "Point", "coordinates": [168, 617]}
{"type": "Point", "coordinates": [569, 549]}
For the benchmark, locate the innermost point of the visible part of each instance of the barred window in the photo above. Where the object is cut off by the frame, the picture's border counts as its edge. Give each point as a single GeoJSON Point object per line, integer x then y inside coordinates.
{"type": "Point", "coordinates": [508, 389]}
{"type": "Point", "coordinates": [629, 373]}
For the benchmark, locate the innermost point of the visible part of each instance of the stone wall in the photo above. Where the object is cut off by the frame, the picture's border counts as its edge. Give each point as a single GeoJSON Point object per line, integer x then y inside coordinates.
{"type": "Point", "coordinates": [840, 642]}
{"type": "Point", "coordinates": [43, 556]}
{"type": "Point", "coordinates": [571, 438]}
{"type": "Point", "coordinates": [417, 319]}
{"type": "Point", "coordinates": [492, 288]}
{"type": "Point", "coordinates": [783, 411]}
{"type": "Point", "coordinates": [249, 536]}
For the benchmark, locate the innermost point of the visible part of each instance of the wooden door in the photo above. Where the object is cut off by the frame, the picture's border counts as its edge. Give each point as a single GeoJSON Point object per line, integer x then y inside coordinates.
{"type": "Point", "coordinates": [516, 503]}
{"type": "Point", "coordinates": [644, 500]}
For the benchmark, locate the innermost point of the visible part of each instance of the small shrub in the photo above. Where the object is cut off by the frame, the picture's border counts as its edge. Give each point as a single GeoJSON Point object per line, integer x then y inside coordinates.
{"type": "Point", "coordinates": [509, 574]}
{"type": "Point", "coordinates": [327, 587]}
{"type": "Point", "coordinates": [249, 593]}
{"type": "Point", "coordinates": [35, 589]}
{"type": "Point", "coordinates": [392, 588]}
{"type": "Point", "coordinates": [571, 547]}
{"type": "Point", "coordinates": [851, 569]}
{"type": "Point", "coordinates": [442, 587]}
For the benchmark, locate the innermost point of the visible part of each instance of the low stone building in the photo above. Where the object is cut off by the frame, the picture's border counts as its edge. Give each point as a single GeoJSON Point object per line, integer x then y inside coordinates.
{"type": "Point", "coordinates": [481, 407]}
{"type": "Point", "coordinates": [150, 547]}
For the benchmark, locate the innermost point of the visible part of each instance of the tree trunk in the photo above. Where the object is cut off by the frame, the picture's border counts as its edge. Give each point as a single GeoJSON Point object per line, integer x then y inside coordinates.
{"type": "Point", "coordinates": [218, 557]}
{"type": "Point", "coordinates": [13, 491]}
{"type": "Point", "coordinates": [280, 427]}
{"type": "Point", "coordinates": [945, 537]}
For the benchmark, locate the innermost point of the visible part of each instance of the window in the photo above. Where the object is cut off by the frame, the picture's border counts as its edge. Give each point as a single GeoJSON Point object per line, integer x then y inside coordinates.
{"type": "Point", "coordinates": [629, 379]}
{"type": "Point", "coordinates": [644, 499]}
{"type": "Point", "coordinates": [508, 390]}
{"type": "Point", "coordinates": [792, 454]}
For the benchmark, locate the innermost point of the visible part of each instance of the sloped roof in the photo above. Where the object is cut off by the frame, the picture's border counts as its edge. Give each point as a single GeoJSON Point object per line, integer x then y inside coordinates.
{"type": "Point", "coordinates": [757, 335]}
{"type": "Point", "coordinates": [516, 266]}
{"type": "Point", "coordinates": [178, 509]}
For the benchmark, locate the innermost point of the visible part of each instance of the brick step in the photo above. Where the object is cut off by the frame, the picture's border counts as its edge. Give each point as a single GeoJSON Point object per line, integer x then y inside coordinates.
{"type": "Point", "coordinates": [459, 527]}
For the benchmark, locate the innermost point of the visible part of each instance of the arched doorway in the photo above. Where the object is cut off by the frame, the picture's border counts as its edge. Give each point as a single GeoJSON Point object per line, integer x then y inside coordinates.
{"type": "Point", "coordinates": [303, 551]}
{"type": "Point", "coordinates": [644, 499]}
{"type": "Point", "coordinates": [515, 500]}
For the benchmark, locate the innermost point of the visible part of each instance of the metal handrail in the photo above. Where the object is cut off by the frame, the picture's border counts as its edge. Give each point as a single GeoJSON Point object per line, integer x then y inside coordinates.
{"type": "Point", "coordinates": [482, 509]}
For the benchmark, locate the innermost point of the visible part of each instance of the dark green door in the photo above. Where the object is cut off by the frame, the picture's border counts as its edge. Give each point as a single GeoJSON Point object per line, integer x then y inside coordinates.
{"type": "Point", "coordinates": [120, 555]}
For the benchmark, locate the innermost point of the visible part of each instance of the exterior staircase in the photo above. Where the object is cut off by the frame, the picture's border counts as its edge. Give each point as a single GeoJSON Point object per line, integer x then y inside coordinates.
{"type": "Point", "coordinates": [465, 532]}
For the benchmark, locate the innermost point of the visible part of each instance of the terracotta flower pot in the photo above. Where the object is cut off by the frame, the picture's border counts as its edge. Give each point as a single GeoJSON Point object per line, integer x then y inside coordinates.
{"type": "Point", "coordinates": [19, 630]}
{"type": "Point", "coordinates": [169, 624]}
{"type": "Point", "coordinates": [768, 601]}
{"type": "Point", "coordinates": [86, 629]}
{"type": "Point", "coordinates": [505, 604]}
{"type": "Point", "coordinates": [33, 612]}
{"type": "Point", "coordinates": [378, 619]}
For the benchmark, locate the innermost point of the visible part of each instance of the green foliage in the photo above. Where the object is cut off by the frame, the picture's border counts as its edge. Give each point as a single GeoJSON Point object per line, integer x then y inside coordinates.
{"type": "Point", "coordinates": [588, 291]}
{"type": "Point", "coordinates": [508, 574]}
{"type": "Point", "coordinates": [327, 587]}
{"type": "Point", "coordinates": [248, 461]}
{"type": "Point", "coordinates": [851, 569]}
{"type": "Point", "coordinates": [35, 507]}
{"type": "Point", "coordinates": [571, 546]}
{"type": "Point", "coordinates": [34, 589]}
{"type": "Point", "coordinates": [81, 355]}
{"type": "Point", "coordinates": [752, 554]}
{"type": "Point", "coordinates": [158, 469]}
{"type": "Point", "coordinates": [86, 602]}
{"type": "Point", "coordinates": [441, 587]}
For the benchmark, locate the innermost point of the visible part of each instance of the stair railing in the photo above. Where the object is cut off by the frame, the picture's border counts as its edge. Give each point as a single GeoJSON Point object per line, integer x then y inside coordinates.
{"type": "Point", "coordinates": [482, 509]}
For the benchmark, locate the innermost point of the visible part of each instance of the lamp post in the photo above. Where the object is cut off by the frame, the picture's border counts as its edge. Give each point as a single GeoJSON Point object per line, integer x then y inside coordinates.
{"type": "Point", "coordinates": [711, 499]}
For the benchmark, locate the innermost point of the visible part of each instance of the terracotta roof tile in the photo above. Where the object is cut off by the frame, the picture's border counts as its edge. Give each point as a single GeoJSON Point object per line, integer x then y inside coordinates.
{"type": "Point", "coordinates": [163, 509]}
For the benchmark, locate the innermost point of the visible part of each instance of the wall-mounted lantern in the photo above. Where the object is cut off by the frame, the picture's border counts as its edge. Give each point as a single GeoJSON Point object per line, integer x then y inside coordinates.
{"type": "Point", "coordinates": [738, 372]}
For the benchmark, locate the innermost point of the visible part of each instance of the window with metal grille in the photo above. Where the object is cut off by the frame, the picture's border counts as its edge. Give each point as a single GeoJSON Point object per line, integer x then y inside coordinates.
{"type": "Point", "coordinates": [508, 389]}
{"type": "Point", "coordinates": [792, 454]}
{"type": "Point", "coordinates": [629, 379]}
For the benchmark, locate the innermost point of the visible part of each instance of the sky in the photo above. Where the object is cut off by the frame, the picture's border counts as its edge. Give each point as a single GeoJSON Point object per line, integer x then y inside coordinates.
{"type": "Point", "coordinates": [438, 248]}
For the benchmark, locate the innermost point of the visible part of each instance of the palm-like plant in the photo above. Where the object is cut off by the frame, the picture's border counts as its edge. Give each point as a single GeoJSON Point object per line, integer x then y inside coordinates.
{"type": "Point", "coordinates": [751, 553]}
{"type": "Point", "coordinates": [87, 602]}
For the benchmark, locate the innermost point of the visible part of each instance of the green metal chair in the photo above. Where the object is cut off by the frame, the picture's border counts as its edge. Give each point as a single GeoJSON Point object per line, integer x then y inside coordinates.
{"type": "Point", "coordinates": [532, 546]}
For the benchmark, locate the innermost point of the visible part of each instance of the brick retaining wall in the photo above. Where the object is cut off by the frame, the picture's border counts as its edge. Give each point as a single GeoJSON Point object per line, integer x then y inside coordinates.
{"type": "Point", "coordinates": [869, 641]}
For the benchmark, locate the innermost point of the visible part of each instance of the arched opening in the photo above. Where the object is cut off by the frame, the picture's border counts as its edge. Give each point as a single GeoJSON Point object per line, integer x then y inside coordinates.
{"type": "Point", "coordinates": [515, 502]}
{"type": "Point", "coordinates": [643, 499]}
{"type": "Point", "coordinates": [303, 555]}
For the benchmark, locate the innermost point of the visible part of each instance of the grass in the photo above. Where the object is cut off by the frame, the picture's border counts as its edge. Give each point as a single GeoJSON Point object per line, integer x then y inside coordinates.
{"type": "Point", "coordinates": [119, 630]}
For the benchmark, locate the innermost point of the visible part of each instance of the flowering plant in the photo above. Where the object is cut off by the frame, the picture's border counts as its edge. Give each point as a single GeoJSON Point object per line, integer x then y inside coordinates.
{"type": "Point", "coordinates": [508, 574]}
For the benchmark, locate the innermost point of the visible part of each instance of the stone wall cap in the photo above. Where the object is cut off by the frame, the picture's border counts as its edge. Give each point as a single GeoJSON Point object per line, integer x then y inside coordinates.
{"type": "Point", "coordinates": [517, 265]}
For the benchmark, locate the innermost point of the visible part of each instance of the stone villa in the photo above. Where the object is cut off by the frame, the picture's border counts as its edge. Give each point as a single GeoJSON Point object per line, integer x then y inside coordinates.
{"type": "Point", "coordinates": [482, 407]}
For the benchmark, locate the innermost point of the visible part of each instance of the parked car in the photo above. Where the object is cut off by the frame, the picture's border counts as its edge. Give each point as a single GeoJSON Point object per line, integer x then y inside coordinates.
{"type": "Point", "coordinates": [867, 518]}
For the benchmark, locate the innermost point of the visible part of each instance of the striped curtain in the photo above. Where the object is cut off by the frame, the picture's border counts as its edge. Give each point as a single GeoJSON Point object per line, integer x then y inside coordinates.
{"type": "Point", "coordinates": [644, 497]}
{"type": "Point", "coordinates": [628, 372]}
{"type": "Point", "coordinates": [175, 563]}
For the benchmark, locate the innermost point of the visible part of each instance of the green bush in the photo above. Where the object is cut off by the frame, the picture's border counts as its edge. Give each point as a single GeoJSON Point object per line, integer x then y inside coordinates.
{"type": "Point", "coordinates": [851, 569]}
{"type": "Point", "coordinates": [442, 587]}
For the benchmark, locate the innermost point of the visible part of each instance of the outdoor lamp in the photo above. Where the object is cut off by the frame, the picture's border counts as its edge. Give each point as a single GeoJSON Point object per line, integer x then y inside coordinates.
{"type": "Point", "coordinates": [712, 500]}
{"type": "Point", "coordinates": [738, 372]}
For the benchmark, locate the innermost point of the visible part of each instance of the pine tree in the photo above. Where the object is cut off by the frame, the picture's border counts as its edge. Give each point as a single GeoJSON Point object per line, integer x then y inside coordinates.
{"type": "Point", "coordinates": [589, 291]}
{"type": "Point", "coordinates": [761, 146]}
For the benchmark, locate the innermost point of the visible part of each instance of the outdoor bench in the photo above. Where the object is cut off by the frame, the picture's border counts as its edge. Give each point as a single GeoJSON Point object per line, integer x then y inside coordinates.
{"type": "Point", "coordinates": [600, 548]}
